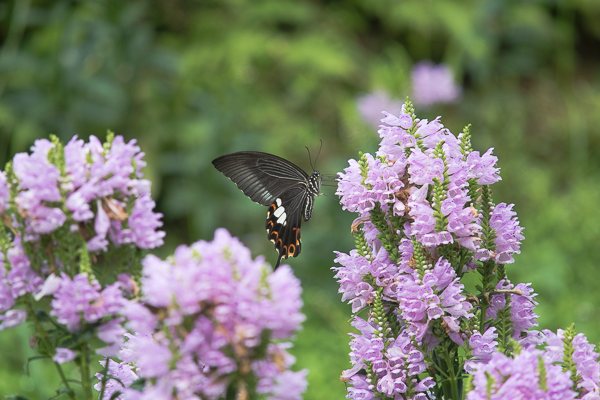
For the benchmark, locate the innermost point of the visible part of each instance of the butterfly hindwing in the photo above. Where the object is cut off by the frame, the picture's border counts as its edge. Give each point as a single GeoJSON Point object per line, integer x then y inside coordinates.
{"type": "Point", "coordinates": [284, 218]}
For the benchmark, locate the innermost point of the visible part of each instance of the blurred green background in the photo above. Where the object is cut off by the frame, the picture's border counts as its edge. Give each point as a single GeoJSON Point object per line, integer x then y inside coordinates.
{"type": "Point", "coordinates": [191, 80]}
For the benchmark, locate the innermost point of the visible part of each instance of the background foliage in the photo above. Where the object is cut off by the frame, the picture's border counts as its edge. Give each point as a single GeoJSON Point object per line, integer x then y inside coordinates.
{"type": "Point", "coordinates": [194, 80]}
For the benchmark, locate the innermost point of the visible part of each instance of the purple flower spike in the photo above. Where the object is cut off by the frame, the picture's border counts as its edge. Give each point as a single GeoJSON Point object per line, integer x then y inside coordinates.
{"type": "Point", "coordinates": [205, 313]}
{"type": "Point", "coordinates": [352, 190]}
{"type": "Point", "coordinates": [38, 186]}
{"type": "Point", "coordinates": [508, 233]}
{"type": "Point", "coordinates": [420, 231]}
{"type": "Point", "coordinates": [99, 183]}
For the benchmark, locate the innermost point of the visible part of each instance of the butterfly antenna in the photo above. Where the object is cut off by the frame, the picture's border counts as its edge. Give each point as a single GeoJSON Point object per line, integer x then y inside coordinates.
{"type": "Point", "coordinates": [319, 153]}
{"type": "Point", "coordinates": [310, 158]}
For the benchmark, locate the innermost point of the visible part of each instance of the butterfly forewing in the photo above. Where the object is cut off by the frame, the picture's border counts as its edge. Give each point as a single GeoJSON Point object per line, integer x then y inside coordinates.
{"type": "Point", "coordinates": [261, 176]}
{"type": "Point", "coordinates": [279, 184]}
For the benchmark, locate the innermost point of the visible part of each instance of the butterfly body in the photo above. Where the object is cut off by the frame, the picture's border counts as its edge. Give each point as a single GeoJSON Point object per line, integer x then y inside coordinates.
{"type": "Point", "coordinates": [285, 188]}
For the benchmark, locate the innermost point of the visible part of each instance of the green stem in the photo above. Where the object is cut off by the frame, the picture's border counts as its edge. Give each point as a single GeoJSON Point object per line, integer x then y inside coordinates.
{"type": "Point", "coordinates": [84, 367]}
{"type": "Point", "coordinates": [104, 379]}
{"type": "Point", "coordinates": [46, 345]}
{"type": "Point", "coordinates": [487, 284]}
{"type": "Point", "coordinates": [64, 380]}
{"type": "Point", "coordinates": [455, 393]}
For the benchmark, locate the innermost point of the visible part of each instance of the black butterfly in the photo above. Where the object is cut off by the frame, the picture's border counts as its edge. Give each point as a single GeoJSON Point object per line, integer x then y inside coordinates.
{"type": "Point", "coordinates": [283, 186]}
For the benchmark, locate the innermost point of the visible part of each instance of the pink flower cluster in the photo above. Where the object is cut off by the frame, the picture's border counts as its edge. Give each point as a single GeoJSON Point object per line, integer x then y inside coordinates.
{"type": "Point", "coordinates": [211, 320]}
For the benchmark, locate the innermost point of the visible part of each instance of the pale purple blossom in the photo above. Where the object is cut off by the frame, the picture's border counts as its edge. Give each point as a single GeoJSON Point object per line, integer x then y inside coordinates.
{"type": "Point", "coordinates": [38, 184]}
{"type": "Point", "coordinates": [423, 168]}
{"type": "Point", "coordinates": [63, 355]}
{"type": "Point", "coordinates": [433, 84]}
{"type": "Point", "coordinates": [395, 138]}
{"type": "Point", "coordinates": [521, 378]}
{"type": "Point", "coordinates": [145, 224]}
{"type": "Point", "coordinates": [396, 364]}
{"type": "Point", "coordinates": [424, 222]}
{"type": "Point", "coordinates": [482, 348]}
{"type": "Point", "coordinates": [99, 181]}
{"type": "Point", "coordinates": [352, 279]}
{"type": "Point", "coordinates": [353, 190]}
{"type": "Point", "coordinates": [21, 277]}
{"type": "Point", "coordinates": [81, 299]}
{"type": "Point", "coordinates": [119, 377]}
{"type": "Point", "coordinates": [12, 318]}
{"type": "Point", "coordinates": [4, 193]}
{"type": "Point", "coordinates": [483, 167]}
{"type": "Point", "coordinates": [437, 295]}
{"type": "Point", "coordinates": [289, 385]}
{"type": "Point", "coordinates": [370, 105]}
{"type": "Point", "coordinates": [585, 357]}
{"type": "Point", "coordinates": [509, 234]}
{"type": "Point", "coordinates": [17, 279]}
{"type": "Point", "coordinates": [461, 217]}
{"type": "Point", "coordinates": [383, 181]}
{"type": "Point", "coordinates": [522, 306]}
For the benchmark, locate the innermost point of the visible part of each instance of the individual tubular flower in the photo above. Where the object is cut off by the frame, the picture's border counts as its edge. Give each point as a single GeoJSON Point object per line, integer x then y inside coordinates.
{"type": "Point", "coordinates": [212, 320]}
{"type": "Point", "coordinates": [433, 84]}
{"type": "Point", "coordinates": [528, 376]}
{"type": "Point", "coordinates": [63, 355]}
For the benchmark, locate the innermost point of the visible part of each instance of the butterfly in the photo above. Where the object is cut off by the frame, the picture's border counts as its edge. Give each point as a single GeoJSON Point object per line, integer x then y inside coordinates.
{"type": "Point", "coordinates": [285, 188]}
